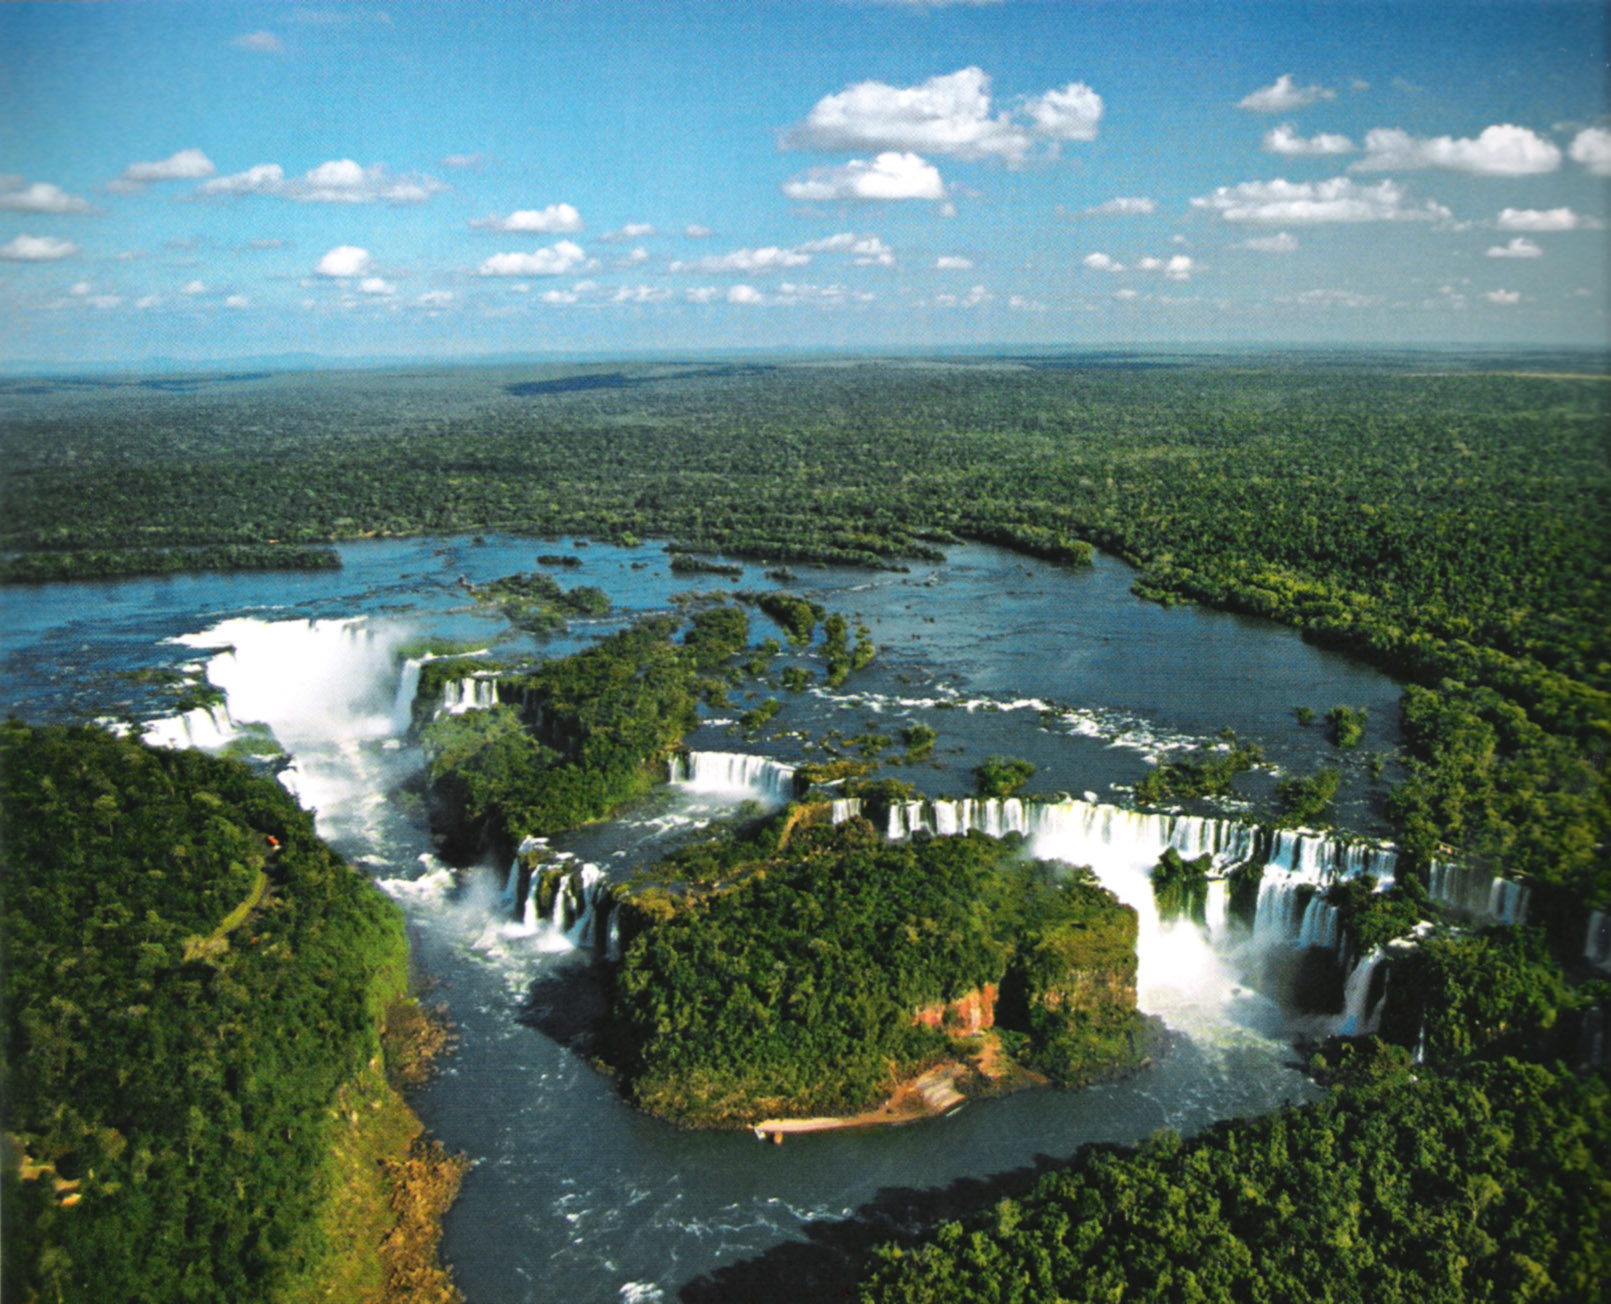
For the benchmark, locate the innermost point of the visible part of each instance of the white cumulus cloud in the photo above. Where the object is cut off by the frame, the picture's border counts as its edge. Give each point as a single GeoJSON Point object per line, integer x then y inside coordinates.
{"type": "Point", "coordinates": [1592, 148]}
{"type": "Point", "coordinates": [888, 176]}
{"type": "Point", "coordinates": [745, 294]}
{"type": "Point", "coordinates": [185, 165]}
{"type": "Point", "coordinates": [1518, 247]}
{"type": "Point", "coordinates": [1281, 96]}
{"type": "Point", "coordinates": [261, 179]}
{"type": "Point", "coordinates": [1068, 114]}
{"type": "Point", "coordinates": [435, 299]}
{"type": "Point", "coordinates": [1503, 296]}
{"type": "Point", "coordinates": [1124, 206]}
{"type": "Point", "coordinates": [37, 249]}
{"type": "Point", "coordinates": [1502, 150]}
{"type": "Point", "coordinates": [237, 301]}
{"type": "Point", "coordinates": [1285, 140]}
{"type": "Point", "coordinates": [949, 114]}
{"type": "Point", "coordinates": [193, 288]}
{"type": "Point", "coordinates": [1545, 219]}
{"type": "Point", "coordinates": [342, 181]}
{"type": "Point", "coordinates": [696, 232]}
{"type": "Point", "coordinates": [555, 219]}
{"type": "Point", "coordinates": [376, 285]}
{"type": "Point", "coordinates": [344, 260]}
{"type": "Point", "coordinates": [554, 260]}
{"type": "Point", "coordinates": [952, 263]}
{"type": "Point", "coordinates": [1100, 262]}
{"type": "Point", "coordinates": [1336, 200]}
{"type": "Point", "coordinates": [40, 197]}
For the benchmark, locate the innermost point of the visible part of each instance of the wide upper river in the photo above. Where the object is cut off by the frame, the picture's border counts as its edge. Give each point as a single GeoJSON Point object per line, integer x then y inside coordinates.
{"type": "Point", "coordinates": [573, 1196]}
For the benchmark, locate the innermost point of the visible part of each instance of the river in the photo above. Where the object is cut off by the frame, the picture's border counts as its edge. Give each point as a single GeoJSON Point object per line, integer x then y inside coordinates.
{"type": "Point", "coordinates": [573, 1196]}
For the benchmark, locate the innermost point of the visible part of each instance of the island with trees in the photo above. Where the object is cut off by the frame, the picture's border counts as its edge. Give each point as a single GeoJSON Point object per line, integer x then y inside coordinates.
{"type": "Point", "coordinates": [801, 975]}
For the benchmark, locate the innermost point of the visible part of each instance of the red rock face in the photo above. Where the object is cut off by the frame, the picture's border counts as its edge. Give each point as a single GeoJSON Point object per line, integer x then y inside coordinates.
{"type": "Point", "coordinates": [968, 1014]}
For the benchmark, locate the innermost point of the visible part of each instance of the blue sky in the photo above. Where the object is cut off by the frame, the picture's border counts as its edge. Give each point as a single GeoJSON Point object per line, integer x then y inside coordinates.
{"type": "Point", "coordinates": [212, 180]}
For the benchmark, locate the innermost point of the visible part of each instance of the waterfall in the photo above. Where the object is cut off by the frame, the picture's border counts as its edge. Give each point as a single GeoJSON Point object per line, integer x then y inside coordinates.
{"type": "Point", "coordinates": [509, 897]}
{"type": "Point", "coordinates": [1283, 903]}
{"type": "Point", "coordinates": [207, 727]}
{"type": "Point", "coordinates": [1290, 911]}
{"type": "Point", "coordinates": [581, 898]}
{"type": "Point", "coordinates": [580, 894]}
{"type": "Point", "coordinates": [408, 684]}
{"type": "Point", "coordinates": [1217, 908]}
{"type": "Point", "coordinates": [1314, 857]}
{"type": "Point", "coordinates": [308, 680]}
{"type": "Point", "coordinates": [1320, 924]}
{"type": "Point", "coordinates": [471, 693]}
{"type": "Point", "coordinates": [1478, 892]}
{"type": "Point", "coordinates": [845, 808]}
{"type": "Point", "coordinates": [1507, 901]}
{"type": "Point", "coordinates": [1360, 1013]}
{"type": "Point", "coordinates": [733, 773]}
{"type": "Point", "coordinates": [1597, 941]}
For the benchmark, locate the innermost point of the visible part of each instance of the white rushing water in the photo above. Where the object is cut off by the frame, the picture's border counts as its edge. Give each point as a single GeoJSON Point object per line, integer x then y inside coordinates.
{"type": "Point", "coordinates": [207, 727]}
{"type": "Point", "coordinates": [734, 774]}
{"type": "Point", "coordinates": [1479, 893]}
{"type": "Point", "coordinates": [339, 699]}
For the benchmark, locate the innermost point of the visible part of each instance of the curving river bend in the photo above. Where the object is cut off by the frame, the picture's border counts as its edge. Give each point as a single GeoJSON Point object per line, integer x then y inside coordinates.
{"type": "Point", "coordinates": [573, 1196]}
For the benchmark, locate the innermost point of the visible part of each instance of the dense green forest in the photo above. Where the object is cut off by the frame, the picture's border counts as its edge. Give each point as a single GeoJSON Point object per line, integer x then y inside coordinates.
{"type": "Point", "coordinates": [591, 730]}
{"type": "Point", "coordinates": [1448, 522]}
{"type": "Point", "coordinates": [594, 730]}
{"type": "Point", "coordinates": [195, 988]}
{"type": "Point", "coordinates": [778, 973]}
{"type": "Point", "coordinates": [1490, 1184]}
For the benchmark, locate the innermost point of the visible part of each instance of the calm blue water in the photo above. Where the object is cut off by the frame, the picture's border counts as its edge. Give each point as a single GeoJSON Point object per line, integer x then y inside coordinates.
{"type": "Point", "coordinates": [573, 1196]}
